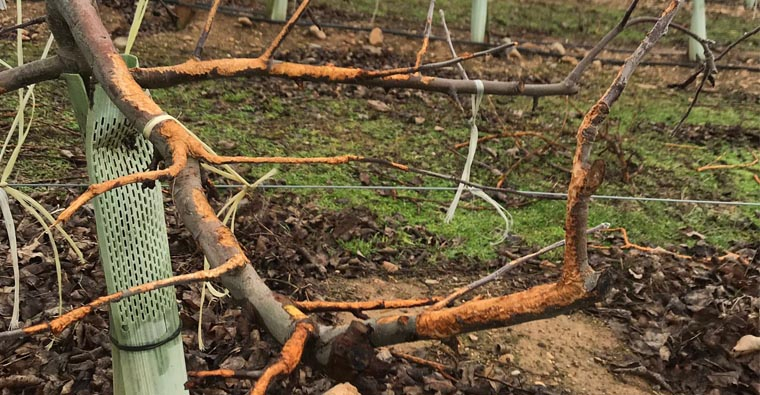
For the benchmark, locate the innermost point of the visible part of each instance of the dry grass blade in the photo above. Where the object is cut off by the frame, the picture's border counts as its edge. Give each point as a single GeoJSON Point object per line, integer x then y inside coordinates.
{"type": "Point", "coordinates": [10, 229]}
{"type": "Point", "coordinates": [736, 166]}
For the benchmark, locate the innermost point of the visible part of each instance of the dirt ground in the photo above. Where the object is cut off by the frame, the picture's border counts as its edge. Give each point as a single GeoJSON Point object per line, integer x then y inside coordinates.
{"type": "Point", "coordinates": [566, 351]}
{"type": "Point", "coordinates": [666, 327]}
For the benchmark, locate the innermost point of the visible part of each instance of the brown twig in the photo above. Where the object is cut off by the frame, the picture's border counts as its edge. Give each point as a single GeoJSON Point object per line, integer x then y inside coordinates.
{"type": "Point", "coordinates": [289, 25]}
{"type": "Point", "coordinates": [426, 34]}
{"type": "Point", "coordinates": [706, 76]}
{"type": "Point", "coordinates": [58, 324]}
{"type": "Point", "coordinates": [226, 373]}
{"type": "Point", "coordinates": [195, 377]}
{"type": "Point", "coordinates": [575, 74]}
{"type": "Point", "coordinates": [314, 306]}
{"type": "Point", "coordinates": [480, 163]}
{"type": "Point", "coordinates": [179, 160]}
{"type": "Point", "coordinates": [31, 22]}
{"type": "Point", "coordinates": [206, 29]}
{"type": "Point", "coordinates": [757, 179]}
{"type": "Point", "coordinates": [683, 146]}
{"type": "Point", "coordinates": [441, 368]}
{"type": "Point", "coordinates": [615, 146]}
{"type": "Point", "coordinates": [643, 372]}
{"type": "Point", "coordinates": [529, 155]}
{"type": "Point", "coordinates": [736, 166]}
{"type": "Point", "coordinates": [683, 29]}
{"type": "Point", "coordinates": [331, 160]}
{"type": "Point", "coordinates": [504, 270]}
{"type": "Point", "coordinates": [290, 357]}
{"type": "Point", "coordinates": [723, 53]}
{"type": "Point", "coordinates": [436, 65]}
{"type": "Point", "coordinates": [628, 245]}
{"type": "Point", "coordinates": [708, 70]}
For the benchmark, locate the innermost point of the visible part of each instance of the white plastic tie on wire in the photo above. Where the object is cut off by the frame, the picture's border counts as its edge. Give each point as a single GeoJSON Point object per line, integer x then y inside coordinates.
{"type": "Point", "coordinates": [148, 129]}
{"type": "Point", "coordinates": [477, 98]}
{"type": "Point", "coordinates": [500, 209]}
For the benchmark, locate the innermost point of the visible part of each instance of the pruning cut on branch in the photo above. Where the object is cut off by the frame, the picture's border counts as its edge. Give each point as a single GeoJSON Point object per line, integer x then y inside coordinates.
{"type": "Point", "coordinates": [81, 35]}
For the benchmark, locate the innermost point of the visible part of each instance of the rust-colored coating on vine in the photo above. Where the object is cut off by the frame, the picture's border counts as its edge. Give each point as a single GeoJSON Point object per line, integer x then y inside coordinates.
{"type": "Point", "coordinates": [670, 8]}
{"type": "Point", "coordinates": [256, 66]}
{"type": "Point", "coordinates": [585, 179]}
{"type": "Point", "coordinates": [290, 357]}
{"type": "Point", "coordinates": [578, 284]}
{"type": "Point", "coordinates": [179, 159]}
{"type": "Point", "coordinates": [132, 93]}
{"type": "Point", "coordinates": [486, 313]}
{"type": "Point", "coordinates": [212, 373]}
{"type": "Point", "coordinates": [57, 325]}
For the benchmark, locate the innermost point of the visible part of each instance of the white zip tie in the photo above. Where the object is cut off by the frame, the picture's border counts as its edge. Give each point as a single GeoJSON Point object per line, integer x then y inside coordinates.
{"type": "Point", "coordinates": [148, 129]}
{"type": "Point", "coordinates": [476, 100]}
{"type": "Point", "coordinates": [499, 209]}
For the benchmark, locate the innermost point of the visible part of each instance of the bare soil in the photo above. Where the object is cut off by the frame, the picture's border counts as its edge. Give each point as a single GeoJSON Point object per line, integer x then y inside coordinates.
{"type": "Point", "coordinates": [563, 352]}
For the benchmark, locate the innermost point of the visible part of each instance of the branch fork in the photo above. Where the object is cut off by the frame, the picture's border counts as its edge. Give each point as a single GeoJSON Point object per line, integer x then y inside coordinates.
{"type": "Point", "coordinates": [77, 27]}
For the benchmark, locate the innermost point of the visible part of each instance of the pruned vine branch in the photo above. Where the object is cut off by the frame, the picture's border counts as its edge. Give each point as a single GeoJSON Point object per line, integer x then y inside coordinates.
{"type": "Point", "coordinates": [81, 35]}
{"type": "Point", "coordinates": [264, 65]}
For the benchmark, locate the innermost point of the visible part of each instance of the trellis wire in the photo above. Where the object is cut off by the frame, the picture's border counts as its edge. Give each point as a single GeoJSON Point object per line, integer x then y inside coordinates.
{"type": "Point", "coordinates": [553, 195]}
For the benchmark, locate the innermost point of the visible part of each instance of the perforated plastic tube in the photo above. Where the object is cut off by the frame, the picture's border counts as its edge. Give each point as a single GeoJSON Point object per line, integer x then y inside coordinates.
{"type": "Point", "coordinates": [147, 354]}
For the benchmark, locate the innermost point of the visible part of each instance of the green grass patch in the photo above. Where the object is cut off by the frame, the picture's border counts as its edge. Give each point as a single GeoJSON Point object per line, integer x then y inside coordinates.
{"type": "Point", "coordinates": [329, 126]}
{"type": "Point", "coordinates": [235, 119]}
{"type": "Point", "coordinates": [578, 23]}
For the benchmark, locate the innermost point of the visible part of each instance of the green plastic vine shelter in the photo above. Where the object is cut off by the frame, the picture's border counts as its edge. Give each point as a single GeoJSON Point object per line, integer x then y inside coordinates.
{"type": "Point", "coordinates": [147, 352]}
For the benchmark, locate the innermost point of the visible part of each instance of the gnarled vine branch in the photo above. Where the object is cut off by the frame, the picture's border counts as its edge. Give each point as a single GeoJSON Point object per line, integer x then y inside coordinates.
{"type": "Point", "coordinates": [78, 29]}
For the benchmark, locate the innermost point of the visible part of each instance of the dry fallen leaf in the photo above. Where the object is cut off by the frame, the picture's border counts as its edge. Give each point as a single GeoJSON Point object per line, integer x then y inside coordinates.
{"type": "Point", "coordinates": [747, 344]}
{"type": "Point", "coordinates": [378, 105]}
